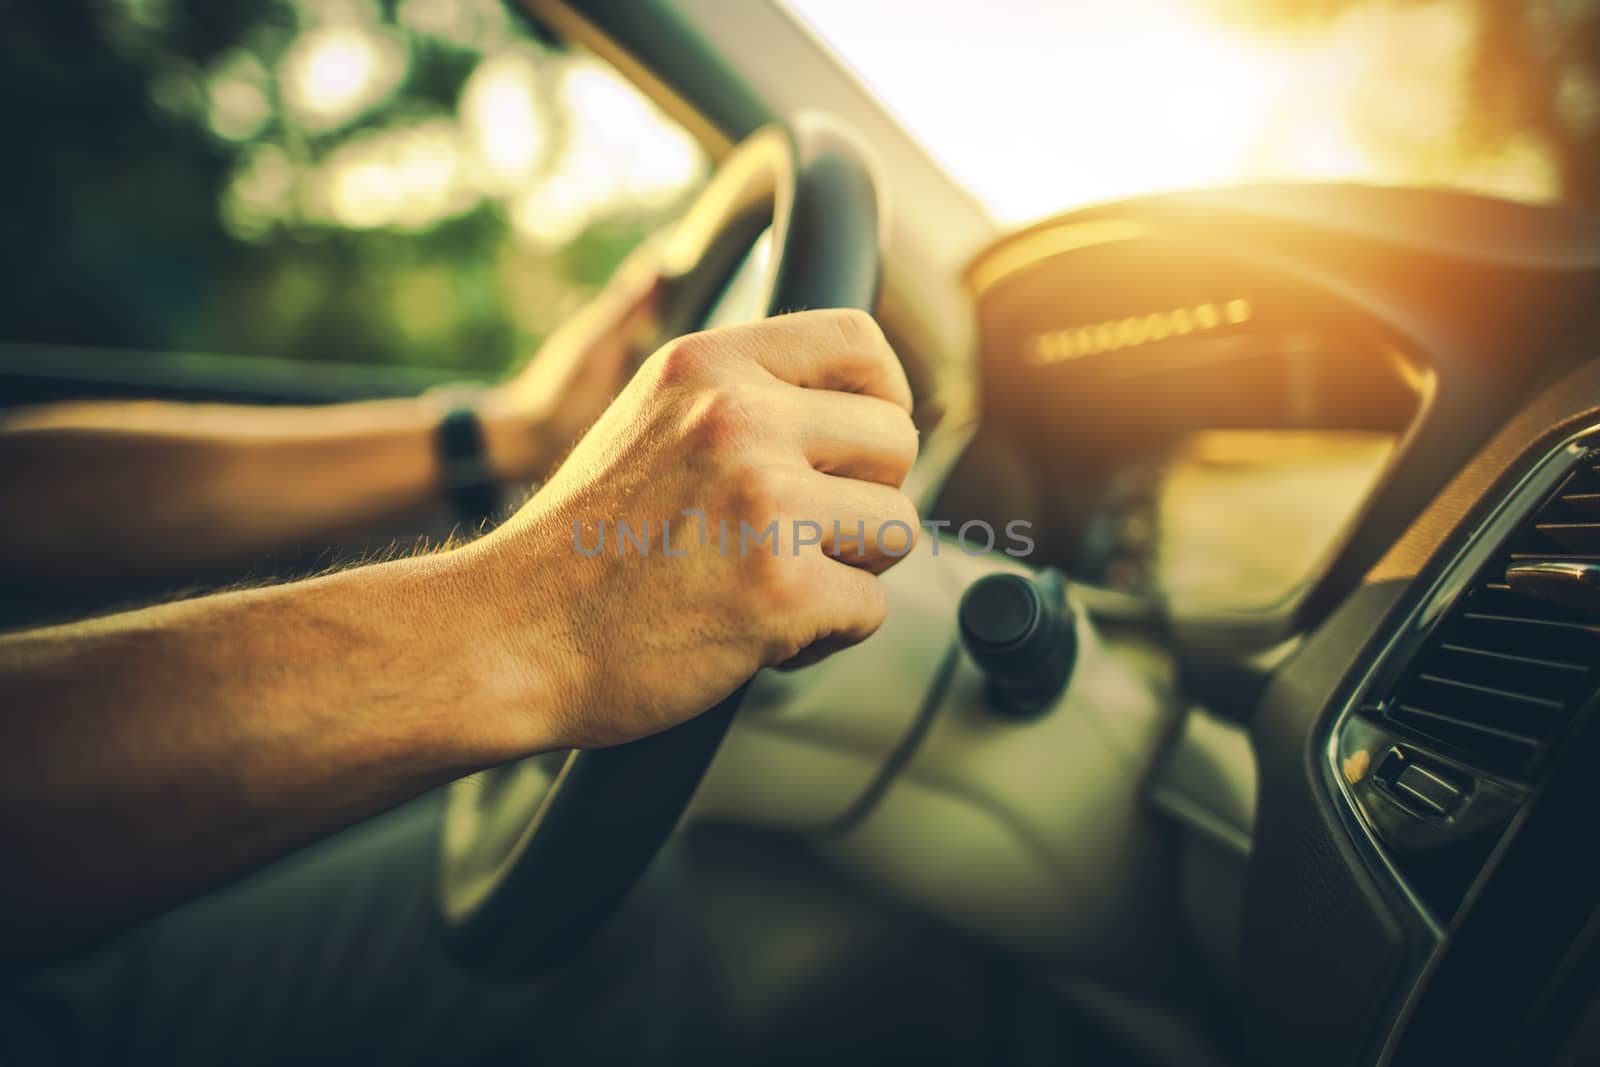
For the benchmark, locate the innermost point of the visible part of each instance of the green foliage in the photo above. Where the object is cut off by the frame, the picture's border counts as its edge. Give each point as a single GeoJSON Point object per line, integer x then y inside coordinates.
{"type": "Point", "coordinates": [176, 197]}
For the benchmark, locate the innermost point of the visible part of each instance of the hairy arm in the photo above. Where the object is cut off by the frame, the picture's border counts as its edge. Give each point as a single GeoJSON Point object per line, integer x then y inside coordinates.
{"type": "Point", "coordinates": [129, 489]}
{"type": "Point", "coordinates": [109, 490]}
{"type": "Point", "coordinates": [149, 755]}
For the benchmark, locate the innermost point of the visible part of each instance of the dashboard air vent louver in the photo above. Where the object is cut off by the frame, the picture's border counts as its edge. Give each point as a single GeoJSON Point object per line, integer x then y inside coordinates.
{"type": "Point", "coordinates": [1506, 669]}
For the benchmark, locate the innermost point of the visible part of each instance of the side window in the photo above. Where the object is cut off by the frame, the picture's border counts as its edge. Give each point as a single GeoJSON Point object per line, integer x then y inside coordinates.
{"type": "Point", "coordinates": [418, 181]}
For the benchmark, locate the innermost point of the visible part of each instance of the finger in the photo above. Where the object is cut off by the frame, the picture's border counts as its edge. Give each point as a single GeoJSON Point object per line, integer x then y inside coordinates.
{"type": "Point", "coordinates": [860, 524]}
{"type": "Point", "coordinates": [838, 349]}
{"type": "Point", "coordinates": [850, 604]}
{"type": "Point", "coordinates": [855, 436]}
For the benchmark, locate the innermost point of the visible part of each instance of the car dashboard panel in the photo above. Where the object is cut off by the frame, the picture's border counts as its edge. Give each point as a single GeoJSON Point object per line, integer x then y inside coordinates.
{"type": "Point", "coordinates": [1135, 365]}
{"type": "Point", "coordinates": [1229, 518]}
{"type": "Point", "coordinates": [1404, 386]}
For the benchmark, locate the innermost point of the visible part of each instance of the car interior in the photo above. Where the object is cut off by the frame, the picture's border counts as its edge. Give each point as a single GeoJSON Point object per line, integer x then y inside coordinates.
{"type": "Point", "coordinates": [1270, 748]}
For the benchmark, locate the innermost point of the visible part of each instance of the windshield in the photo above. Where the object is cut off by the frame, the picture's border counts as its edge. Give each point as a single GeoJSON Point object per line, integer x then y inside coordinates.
{"type": "Point", "coordinates": [1039, 107]}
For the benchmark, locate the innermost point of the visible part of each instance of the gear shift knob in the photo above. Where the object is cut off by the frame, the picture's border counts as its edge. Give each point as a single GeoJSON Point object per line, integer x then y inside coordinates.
{"type": "Point", "coordinates": [1023, 635]}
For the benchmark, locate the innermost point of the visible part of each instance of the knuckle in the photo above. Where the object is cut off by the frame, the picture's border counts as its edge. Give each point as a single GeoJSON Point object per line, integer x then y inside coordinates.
{"type": "Point", "coordinates": [720, 416]}
{"type": "Point", "coordinates": [684, 360]}
{"type": "Point", "coordinates": [857, 325]}
{"type": "Point", "coordinates": [905, 510]}
{"type": "Point", "coordinates": [906, 440]}
{"type": "Point", "coordinates": [874, 607]}
{"type": "Point", "coordinates": [899, 527]}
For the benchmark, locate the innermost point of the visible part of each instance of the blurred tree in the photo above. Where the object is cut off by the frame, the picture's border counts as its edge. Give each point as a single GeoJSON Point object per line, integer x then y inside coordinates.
{"type": "Point", "coordinates": [299, 178]}
{"type": "Point", "coordinates": [99, 222]}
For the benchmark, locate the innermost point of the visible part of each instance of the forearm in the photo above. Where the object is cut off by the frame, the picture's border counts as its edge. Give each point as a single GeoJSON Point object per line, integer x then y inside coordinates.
{"type": "Point", "coordinates": [105, 490]}
{"type": "Point", "coordinates": [149, 755]}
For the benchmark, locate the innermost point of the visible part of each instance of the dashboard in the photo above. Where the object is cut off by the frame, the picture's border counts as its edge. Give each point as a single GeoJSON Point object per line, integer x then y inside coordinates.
{"type": "Point", "coordinates": [1133, 372]}
{"type": "Point", "coordinates": [1231, 518]}
{"type": "Point", "coordinates": [1343, 441]}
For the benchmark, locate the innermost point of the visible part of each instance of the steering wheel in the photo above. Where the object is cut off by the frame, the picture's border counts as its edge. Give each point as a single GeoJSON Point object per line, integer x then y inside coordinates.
{"type": "Point", "coordinates": [530, 864]}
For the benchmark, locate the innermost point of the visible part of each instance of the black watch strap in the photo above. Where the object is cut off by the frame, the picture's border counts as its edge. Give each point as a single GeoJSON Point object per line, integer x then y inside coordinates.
{"type": "Point", "coordinates": [468, 483]}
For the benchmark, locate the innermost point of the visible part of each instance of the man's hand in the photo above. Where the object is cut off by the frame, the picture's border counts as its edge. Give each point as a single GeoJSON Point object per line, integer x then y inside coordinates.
{"type": "Point", "coordinates": [533, 419]}
{"type": "Point", "coordinates": [304, 707]}
{"type": "Point", "coordinates": [784, 428]}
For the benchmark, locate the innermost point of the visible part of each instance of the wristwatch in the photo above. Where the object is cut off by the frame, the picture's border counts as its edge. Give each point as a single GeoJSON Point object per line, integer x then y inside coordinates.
{"type": "Point", "coordinates": [465, 476]}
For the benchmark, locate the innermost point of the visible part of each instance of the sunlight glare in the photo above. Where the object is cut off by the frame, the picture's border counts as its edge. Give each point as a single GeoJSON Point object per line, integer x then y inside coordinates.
{"type": "Point", "coordinates": [238, 104]}
{"type": "Point", "coordinates": [619, 155]}
{"type": "Point", "coordinates": [477, 24]}
{"type": "Point", "coordinates": [553, 213]}
{"type": "Point", "coordinates": [261, 191]}
{"type": "Point", "coordinates": [334, 72]}
{"type": "Point", "coordinates": [623, 141]}
{"type": "Point", "coordinates": [409, 178]}
{"type": "Point", "coordinates": [500, 112]}
{"type": "Point", "coordinates": [1042, 107]}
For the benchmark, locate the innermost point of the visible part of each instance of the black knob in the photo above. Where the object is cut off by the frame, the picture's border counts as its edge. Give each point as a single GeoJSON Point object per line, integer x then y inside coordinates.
{"type": "Point", "coordinates": [1022, 634]}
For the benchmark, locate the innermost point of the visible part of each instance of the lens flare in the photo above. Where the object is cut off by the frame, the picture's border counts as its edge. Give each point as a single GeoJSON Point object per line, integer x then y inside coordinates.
{"type": "Point", "coordinates": [500, 113]}
{"type": "Point", "coordinates": [333, 73]}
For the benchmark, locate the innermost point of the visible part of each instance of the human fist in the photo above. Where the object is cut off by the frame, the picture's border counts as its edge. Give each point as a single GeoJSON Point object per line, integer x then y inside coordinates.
{"type": "Point", "coordinates": [730, 510]}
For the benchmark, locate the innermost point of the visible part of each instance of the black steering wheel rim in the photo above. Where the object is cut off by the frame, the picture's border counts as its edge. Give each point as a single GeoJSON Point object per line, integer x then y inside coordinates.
{"type": "Point", "coordinates": [530, 868]}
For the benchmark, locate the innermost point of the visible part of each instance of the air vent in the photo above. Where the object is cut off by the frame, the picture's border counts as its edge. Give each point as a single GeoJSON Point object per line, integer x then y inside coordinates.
{"type": "Point", "coordinates": [1506, 670]}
